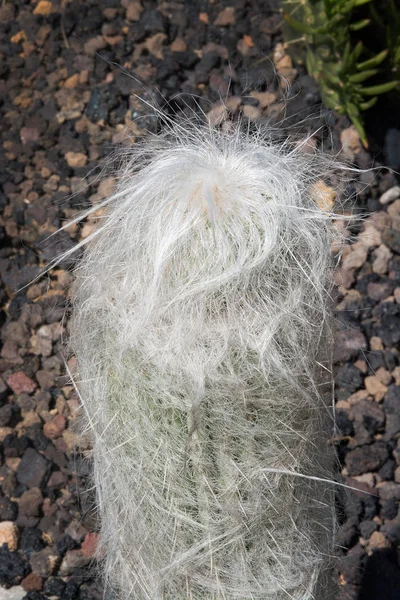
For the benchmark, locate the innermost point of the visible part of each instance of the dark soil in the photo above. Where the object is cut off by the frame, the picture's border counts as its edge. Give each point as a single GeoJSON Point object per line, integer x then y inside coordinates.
{"type": "Point", "coordinates": [71, 76]}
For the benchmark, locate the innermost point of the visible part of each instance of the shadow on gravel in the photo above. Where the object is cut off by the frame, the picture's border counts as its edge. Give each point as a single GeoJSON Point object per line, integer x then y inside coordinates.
{"type": "Point", "coordinates": [382, 576]}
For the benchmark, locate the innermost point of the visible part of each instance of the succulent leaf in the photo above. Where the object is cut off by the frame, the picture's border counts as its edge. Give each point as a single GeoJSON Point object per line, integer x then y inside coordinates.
{"type": "Point", "coordinates": [359, 25]}
{"type": "Point", "coordinates": [360, 77]}
{"type": "Point", "coordinates": [373, 62]}
{"type": "Point", "coordinates": [375, 90]}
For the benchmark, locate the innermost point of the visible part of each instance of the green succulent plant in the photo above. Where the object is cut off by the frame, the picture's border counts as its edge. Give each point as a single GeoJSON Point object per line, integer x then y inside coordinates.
{"type": "Point", "coordinates": [342, 66]}
{"type": "Point", "coordinates": [388, 23]}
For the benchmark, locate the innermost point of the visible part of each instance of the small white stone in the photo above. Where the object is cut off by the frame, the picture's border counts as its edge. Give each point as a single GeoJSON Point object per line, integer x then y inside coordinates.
{"type": "Point", "coordinates": [391, 194]}
{"type": "Point", "coordinates": [14, 593]}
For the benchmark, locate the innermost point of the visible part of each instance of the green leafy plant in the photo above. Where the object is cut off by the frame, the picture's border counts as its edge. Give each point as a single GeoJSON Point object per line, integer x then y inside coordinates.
{"type": "Point", "coordinates": [343, 65]}
{"type": "Point", "coordinates": [388, 23]}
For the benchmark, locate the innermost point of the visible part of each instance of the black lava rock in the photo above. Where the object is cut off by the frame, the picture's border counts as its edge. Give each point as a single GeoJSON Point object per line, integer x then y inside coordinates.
{"type": "Point", "coordinates": [391, 237]}
{"type": "Point", "coordinates": [14, 446]}
{"type": "Point", "coordinates": [209, 61]}
{"type": "Point", "coordinates": [102, 100]}
{"type": "Point", "coordinates": [387, 469]}
{"type": "Point", "coordinates": [367, 528]}
{"type": "Point", "coordinates": [381, 580]}
{"type": "Point", "coordinates": [369, 507]}
{"type": "Point", "coordinates": [349, 378]}
{"type": "Point", "coordinates": [31, 541]}
{"type": "Point", "coordinates": [343, 423]}
{"type": "Point", "coordinates": [351, 565]}
{"type": "Point", "coordinates": [90, 592]}
{"type": "Point", "coordinates": [389, 330]}
{"type": "Point", "coordinates": [392, 530]}
{"type": "Point", "coordinates": [8, 509]}
{"type": "Point", "coordinates": [391, 402]}
{"type": "Point", "coordinates": [6, 414]}
{"type": "Point", "coordinates": [65, 543]}
{"type": "Point", "coordinates": [389, 508]}
{"type": "Point", "coordinates": [376, 360]}
{"type": "Point", "coordinates": [33, 469]}
{"type": "Point", "coordinates": [347, 535]}
{"type": "Point", "coordinates": [54, 586]}
{"type": "Point", "coordinates": [70, 591]}
{"type": "Point", "coordinates": [364, 459]}
{"type": "Point", "coordinates": [153, 21]}
{"type": "Point", "coordinates": [13, 568]}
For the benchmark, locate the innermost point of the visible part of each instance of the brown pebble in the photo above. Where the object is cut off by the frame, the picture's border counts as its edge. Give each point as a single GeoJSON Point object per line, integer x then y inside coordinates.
{"type": "Point", "coordinates": [72, 81]}
{"type": "Point", "coordinates": [323, 195]}
{"type": "Point", "coordinates": [356, 257]}
{"type": "Point", "coordinates": [133, 10]}
{"type": "Point", "coordinates": [382, 255]}
{"type": "Point", "coordinates": [375, 387]}
{"type": "Point", "coordinates": [243, 48]}
{"type": "Point", "coordinates": [43, 8]}
{"type": "Point", "coordinates": [397, 475]}
{"type": "Point", "coordinates": [344, 278]}
{"type": "Point", "coordinates": [226, 17]}
{"type": "Point", "coordinates": [32, 582]}
{"type": "Point", "coordinates": [350, 141]}
{"type": "Point", "coordinates": [44, 562]}
{"type": "Point", "coordinates": [179, 45]}
{"type": "Point", "coordinates": [377, 541]}
{"type": "Point", "coordinates": [217, 115]}
{"type": "Point", "coordinates": [251, 112]}
{"type": "Point", "coordinates": [383, 375]}
{"type": "Point", "coordinates": [376, 343]}
{"type": "Point", "coordinates": [54, 428]}
{"type": "Point", "coordinates": [110, 13]}
{"type": "Point", "coordinates": [155, 43]}
{"type": "Point", "coordinates": [94, 45]}
{"type": "Point", "coordinates": [76, 159]}
{"type": "Point", "coordinates": [30, 503]}
{"type": "Point", "coordinates": [74, 559]}
{"type": "Point", "coordinates": [4, 432]}
{"type": "Point", "coordinates": [265, 99]}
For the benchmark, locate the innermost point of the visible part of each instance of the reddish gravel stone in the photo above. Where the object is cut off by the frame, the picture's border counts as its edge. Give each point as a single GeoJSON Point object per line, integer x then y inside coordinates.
{"type": "Point", "coordinates": [90, 543]}
{"type": "Point", "coordinates": [21, 383]}
{"type": "Point", "coordinates": [348, 344]}
{"type": "Point", "coordinates": [32, 582]}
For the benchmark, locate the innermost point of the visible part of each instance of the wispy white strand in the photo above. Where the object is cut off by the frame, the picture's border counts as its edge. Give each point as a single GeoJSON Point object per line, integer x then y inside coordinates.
{"type": "Point", "coordinates": [201, 330]}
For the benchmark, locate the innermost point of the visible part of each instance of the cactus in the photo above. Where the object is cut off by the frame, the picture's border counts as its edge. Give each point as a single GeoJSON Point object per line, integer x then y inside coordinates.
{"type": "Point", "coordinates": [200, 327]}
{"type": "Point", "coordinates": [342, 69]}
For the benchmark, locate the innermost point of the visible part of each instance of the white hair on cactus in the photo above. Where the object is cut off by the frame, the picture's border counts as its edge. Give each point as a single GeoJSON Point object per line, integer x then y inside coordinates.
{"type": "Point", "coordinates": [200, 326]}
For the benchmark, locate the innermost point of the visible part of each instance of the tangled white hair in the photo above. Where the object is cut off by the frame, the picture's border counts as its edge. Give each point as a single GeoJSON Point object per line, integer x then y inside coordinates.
{"type": "Point", "coordinates": [200, 327]}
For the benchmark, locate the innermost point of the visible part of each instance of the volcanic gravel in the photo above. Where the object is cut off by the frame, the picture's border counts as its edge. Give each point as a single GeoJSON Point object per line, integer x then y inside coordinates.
{"type": "Point", "coordinates": [71, 74]}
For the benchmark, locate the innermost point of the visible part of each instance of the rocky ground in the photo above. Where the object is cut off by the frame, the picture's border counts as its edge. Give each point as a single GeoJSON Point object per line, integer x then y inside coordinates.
{"type": "Point", "coordinates": [70, 75]}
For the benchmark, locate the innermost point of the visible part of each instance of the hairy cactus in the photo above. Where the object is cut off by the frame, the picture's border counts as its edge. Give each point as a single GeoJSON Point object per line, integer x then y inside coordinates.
{"type": "Point", "coordinates": [201, 329]}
